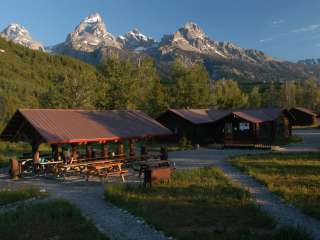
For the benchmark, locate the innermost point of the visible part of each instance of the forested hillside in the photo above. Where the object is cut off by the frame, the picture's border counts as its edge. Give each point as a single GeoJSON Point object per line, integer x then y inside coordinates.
{"type": "Point", "coordinates": [25, 75]}
{"type": "Point", "coordinates": [31, 78]}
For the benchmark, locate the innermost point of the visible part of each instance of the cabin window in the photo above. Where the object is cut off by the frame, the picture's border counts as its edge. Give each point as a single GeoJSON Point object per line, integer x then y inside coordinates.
{"type": "Point", "coordinates": [244, 126]}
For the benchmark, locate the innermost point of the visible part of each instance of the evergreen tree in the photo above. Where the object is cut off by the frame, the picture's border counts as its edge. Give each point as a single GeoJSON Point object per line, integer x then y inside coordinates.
{"type": "Point", "coordinates": [271, 96]}
{"type": "Point", "coordinates": [69, 92]}
{"type": "Point", "coordinates": [191, 87]}
{"type": "Point", "coordinates": [255, 98]}
{"type": "Point", "coordinates": [311, 94]}
{"type": "Point", "coordinates": [117, 90]}
{"type": "Point", "coordinates": [227, 94]}
{"type": "Point", "coordinates": [157, 99]}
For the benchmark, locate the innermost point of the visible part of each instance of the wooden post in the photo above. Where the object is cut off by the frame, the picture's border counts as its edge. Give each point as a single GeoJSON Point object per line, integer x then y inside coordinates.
{"type": "Point", "coordinates": [120, 148]}
{"type": "Point", "coordinates": [36, 157]}
{"type": "Point", "coordinates": [104, 150]}
{"type": "Point", "coordinates": [89, 150]}
{"type": "Point", "coordinates": [55, 152]}
{"type": "Point", "coordinates": [132, 149]}
{"type": "Point", "coordinates": [257, 131]}
{"type": "Point", "coordinates": [74, 154]}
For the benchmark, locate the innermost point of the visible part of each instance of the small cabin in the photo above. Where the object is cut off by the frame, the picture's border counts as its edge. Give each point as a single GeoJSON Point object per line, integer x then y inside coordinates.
{"type": "Point", "coordinates": [242, 126]}
{"type": "Point", "coordinates": [304, 116]}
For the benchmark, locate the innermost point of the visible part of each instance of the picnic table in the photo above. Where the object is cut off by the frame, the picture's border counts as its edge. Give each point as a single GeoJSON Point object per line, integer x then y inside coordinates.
{"type": "Point", "coordinates": [50, 166]}
{"type": "Point", "coordinates": [105, 170]}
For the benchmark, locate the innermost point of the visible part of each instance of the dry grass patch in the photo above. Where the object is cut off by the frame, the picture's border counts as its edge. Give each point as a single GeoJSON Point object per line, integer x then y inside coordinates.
{"type": "Point", "coordinates": [296, 177]}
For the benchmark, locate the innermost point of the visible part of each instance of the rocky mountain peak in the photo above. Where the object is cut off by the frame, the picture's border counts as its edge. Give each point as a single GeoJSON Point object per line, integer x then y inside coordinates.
{"type": "Point", "coordinates": [90, 35]}
{"type": "Point", "coordinates": [20, 35]}
{"type": "Point", "coordinates": [135, 40]}
{"type": "Point", "coordinates": [192, 38]}
{"type": "Point", "coordinates": [93, 18]}
{"type": "Point", "coordinates": [192, 31]}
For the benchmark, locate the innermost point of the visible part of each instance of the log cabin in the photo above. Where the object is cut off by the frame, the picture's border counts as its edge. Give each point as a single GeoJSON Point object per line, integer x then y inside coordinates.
{"type": "Point", "coordinates": [242, 126]}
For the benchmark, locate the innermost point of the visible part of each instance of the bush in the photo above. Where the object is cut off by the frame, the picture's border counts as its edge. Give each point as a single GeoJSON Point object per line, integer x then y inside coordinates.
{"type": "Point", "coordinates": [184, 143]}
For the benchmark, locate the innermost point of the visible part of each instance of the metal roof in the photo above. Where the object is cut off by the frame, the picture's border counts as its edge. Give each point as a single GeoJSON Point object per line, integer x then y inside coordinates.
{"type": "Point", "coordinates": [305, 110]}
{"type": "Point", "coordinates": [200, 116]}
{"type": "Point", "coordinates": [67, 126]}
{"type": "Point", "coordinates": [196, 116]}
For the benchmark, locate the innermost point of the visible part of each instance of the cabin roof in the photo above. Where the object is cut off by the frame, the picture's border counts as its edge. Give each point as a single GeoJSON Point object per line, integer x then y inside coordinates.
{"type": "Point", "coordinates": [68, 126]}
{"type": "Point", "coordinates": [305, 110]}
{"type": "Point", "coordinates": [201, 116]}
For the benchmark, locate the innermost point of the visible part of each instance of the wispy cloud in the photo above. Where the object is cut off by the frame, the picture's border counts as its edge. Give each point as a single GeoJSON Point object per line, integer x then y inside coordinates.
{"type": "Point", "coordinates": [278, 22]}
{"type": "Point", "coordinates": [309, 28]}
{"type": "Point", "coordinates": [266, 40]}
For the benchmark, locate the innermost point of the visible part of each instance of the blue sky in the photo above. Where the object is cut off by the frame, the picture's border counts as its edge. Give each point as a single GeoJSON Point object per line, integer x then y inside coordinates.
{"type": "Point", "coordinates": [285, 29]}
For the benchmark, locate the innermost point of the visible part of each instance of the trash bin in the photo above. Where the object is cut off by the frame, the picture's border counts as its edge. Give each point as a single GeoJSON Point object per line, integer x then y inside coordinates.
{"type": "Point", "coordinates": [15, 168]}
{"type": "Point", "coordinates": [157, 175]}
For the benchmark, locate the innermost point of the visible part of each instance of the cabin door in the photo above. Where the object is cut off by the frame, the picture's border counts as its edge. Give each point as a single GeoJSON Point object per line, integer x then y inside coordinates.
{"type": "Point", "coordinates": [228, 132]}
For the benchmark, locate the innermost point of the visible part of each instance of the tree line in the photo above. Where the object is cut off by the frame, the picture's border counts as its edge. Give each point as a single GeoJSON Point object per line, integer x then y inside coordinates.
{"type": "Point", "coordinates": [125, 85]}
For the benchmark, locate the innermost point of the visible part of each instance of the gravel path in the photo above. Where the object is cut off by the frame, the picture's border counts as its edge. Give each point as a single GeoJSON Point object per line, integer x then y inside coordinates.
{"type": "Point", "coordinates": [88, 196]}
{"type": "Point", "coordinates": [271, 203]}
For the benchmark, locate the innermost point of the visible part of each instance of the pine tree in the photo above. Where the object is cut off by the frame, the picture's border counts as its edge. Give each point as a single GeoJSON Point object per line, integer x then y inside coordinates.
{"type": "Point", "coordinates": [117, 90]}
{"type": "Point", "coordinates": [191, 88]}
{"type": "Point", "coordinates": [255, 98]}
{"type": "Point", "coordinates": [227, 94]}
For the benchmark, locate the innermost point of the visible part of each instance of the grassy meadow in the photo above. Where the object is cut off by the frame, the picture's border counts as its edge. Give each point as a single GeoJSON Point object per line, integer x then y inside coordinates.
{"type": "Point", "coordinates": [199, 204]}
{"type": "Point", "coordinates": [8, 196]}
{"type": "Point", "coordinates": [295, 177]}
{"type": "Point", "coordinates": [56, 220]}
{"type": "Point", "coordinates": [9, 150]}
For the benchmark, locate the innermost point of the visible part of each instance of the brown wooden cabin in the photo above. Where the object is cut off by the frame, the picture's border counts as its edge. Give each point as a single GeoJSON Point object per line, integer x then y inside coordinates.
{"type": "Point", "coordinates": [228, 126]}
{"type": "Point", "coordinates": [74, 127]}
{"type": "Point", "coordinates": [303, 116]}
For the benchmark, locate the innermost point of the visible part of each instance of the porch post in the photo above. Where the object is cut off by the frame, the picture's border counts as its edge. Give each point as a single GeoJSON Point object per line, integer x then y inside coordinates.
{"type": "Point", "coordinates": [120, 148]}
{"type": "Point", "coordinates": [74, 154]}
{"type": "Point", "coordinates": [89, 150]}
{"type": "Point", "coordinates": [257, 131]}
{"type": "Point", "coordinates": [55, 152]}
{"type": "Point", "coordinates": [104, 150]}
{"type": "Point", "coordinates": [36, 157]}
{"type": "Point", "coordinates": [132, 149]}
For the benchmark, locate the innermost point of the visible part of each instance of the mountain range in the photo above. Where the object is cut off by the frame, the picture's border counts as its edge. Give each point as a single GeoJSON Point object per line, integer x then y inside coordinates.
{"type": "Point", "coordinates": [90, 41]}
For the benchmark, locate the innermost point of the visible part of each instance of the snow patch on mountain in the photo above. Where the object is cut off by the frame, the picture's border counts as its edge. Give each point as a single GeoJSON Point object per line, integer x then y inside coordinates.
{"type": "Point", "coordinates": [135, 40]}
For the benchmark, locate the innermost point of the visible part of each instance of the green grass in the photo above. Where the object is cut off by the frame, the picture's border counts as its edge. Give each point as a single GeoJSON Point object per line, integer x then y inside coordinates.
{"type": "Point", "coordinates": [56, 220]}
{"type": "Point", "coordinates": [8, 196]}
{"type": "Point", "coordinates": [9, 150]}
{"type": "Point", "coordinates": [198, 204]}
{"type": "Point", "coordinates": [289, 140]}
{"type": "Point", "coordinates": [295, 177]}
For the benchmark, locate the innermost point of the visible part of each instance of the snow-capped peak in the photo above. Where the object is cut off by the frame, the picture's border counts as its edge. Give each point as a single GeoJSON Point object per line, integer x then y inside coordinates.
{"type": "Point", "coordinates": [94, 18]}
{"type": "Point", "coordinates": [90, 35]}
{"type": "Point", "coordinates": [135, 40]}
{"type": "Point", "coordinates": [20, 35]}
{"type": "Point", "coordinates": [15, 30]}
{"type": "Point", "coordinates": [138, 35]}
